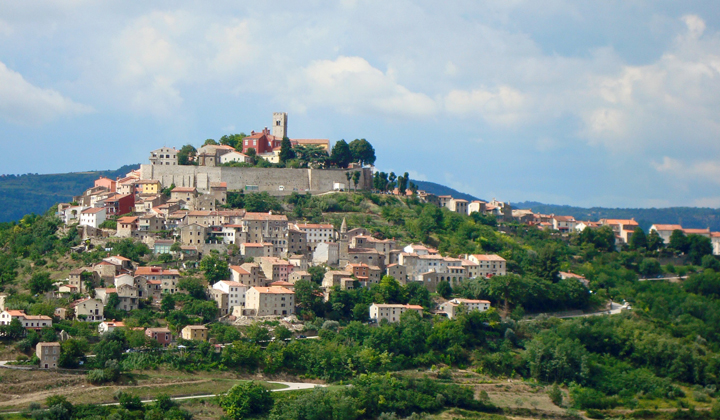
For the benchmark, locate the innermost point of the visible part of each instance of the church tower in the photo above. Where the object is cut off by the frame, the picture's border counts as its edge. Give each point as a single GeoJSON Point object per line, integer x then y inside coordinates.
{"type": "Point", "coordinates": [279, 125]}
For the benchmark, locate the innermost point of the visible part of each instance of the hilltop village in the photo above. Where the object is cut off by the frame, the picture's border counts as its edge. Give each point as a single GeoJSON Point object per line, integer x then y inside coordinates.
{"type": "Point", "coordinates": [181, 213]}
{"type": "Point", "coordinates": [261, 255]}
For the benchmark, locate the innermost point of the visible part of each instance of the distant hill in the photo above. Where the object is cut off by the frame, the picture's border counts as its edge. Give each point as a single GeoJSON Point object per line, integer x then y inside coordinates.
{"type": "Point", "coordinates": [33, 193]}
{"type": "Point", "coordinates": [438, 189]}
{"type": "Point", "coordinates": [688, 217]}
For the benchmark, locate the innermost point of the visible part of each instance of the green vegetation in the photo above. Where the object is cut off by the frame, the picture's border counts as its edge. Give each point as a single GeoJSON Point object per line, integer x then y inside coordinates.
{"type": "Point", "coordinates": [667, 349]}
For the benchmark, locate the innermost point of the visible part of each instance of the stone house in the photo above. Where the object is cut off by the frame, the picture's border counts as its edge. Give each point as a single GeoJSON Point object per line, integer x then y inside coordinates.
{"type": "Point", "coordinates": [391, 312]}
{"type": "Point", "coordinates": [266, 301]}
{"type": "Point", "coordinates": [49, 354]}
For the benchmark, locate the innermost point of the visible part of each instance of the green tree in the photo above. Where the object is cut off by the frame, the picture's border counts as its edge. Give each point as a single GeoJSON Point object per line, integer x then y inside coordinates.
{"type": "Point", "coordinates": [638, 240]}
{"type": "Point", "coordinates": [508, 288]}
{"type": "Point", "coordinates": [211, 142]}
{"type": "Point", "coordinates": [356, 178]}
{"type": "Point", "coordinates": [194, 286]}
{"type": "Point", "coordinates": [247, 400]}
{"type": "Point", "coordinates": [186, 155]}
{"type": "Point", "coordinates": [72, 351]}
{"type": "Point", "coordinates": [679, 242]}
{"type": "Point", "coordinates": [711, 262]}
{"type": "Point", "coordinates": [176, 247]}
{"type": "Point", "coordinates": [215, 269]}
{"type": "Point", "coordinates": [654, 241]}
{"type": "Point", "coordinates": [444, 289]}
{"type": "Point", "coordinates": [257, 333]}
{"type": "Point", "coordinates": [698, 247]}
{"type": "Point", "coordinates": [286, 150]}
{"type": "Point", "coordinates": [167, 303]}
{"type": "Point", "coordinates": [317, 273]}
{"type": "Point", "coordinates": [341, 156]}
{"type": "Point", "coordinates": [252, 154]}
{"type": "Point", "coordinates": [547, 265]}
{"type": "Point", "coordinates": [282, 333]}
{"type": "Point", "coordinates": [362, 151]}
{"type": "Point", "coordinates": [40, 283]}
{"type": "Point", "coordinates": [650, 267]}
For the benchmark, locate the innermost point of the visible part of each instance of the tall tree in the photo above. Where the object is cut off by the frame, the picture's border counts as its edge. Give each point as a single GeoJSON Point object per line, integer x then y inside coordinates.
{"type": "Point", "coordinates": [215, 269]}
{"type": "Point", "coordinates": [186, 155]}
{"type": "Point", "coordinates": [341, 156]}
{"type": "Point", "coordinates": [362, 151]}
{"type": "Point", "coordinates": [210, 142]}
{"type": "Point", "coordinates": [286, 150]}
{"type": "Point", "coordinates": [638, 240]}
{"type": "Point", "coordinates": [654, 241]}
{"type": "Point", "coordinates": [678, 241]}
{"type": "Point", "coordinates": [356, 178]}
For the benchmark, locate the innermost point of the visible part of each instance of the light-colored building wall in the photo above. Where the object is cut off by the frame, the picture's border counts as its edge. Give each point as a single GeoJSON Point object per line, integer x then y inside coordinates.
{"type": "Point", "coordinates": [267, 301]}
{"type": "Point", "coordinates": [391, 312]}
{"type": "Point", "coordinates": [49, 354]}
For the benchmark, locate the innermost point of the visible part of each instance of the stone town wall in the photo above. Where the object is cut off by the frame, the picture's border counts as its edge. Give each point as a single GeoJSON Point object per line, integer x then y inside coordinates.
{"type": "Point", "coordinates": [265, 179]}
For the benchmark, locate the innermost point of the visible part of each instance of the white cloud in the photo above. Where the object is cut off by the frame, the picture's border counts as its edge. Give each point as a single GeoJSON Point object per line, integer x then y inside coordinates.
{"type": "Point", "coordinates": [353, 86]}
{"type": "Point", "coordinates": [704, 170]}
{"type": "Point", "coordinates": [503, 105]}
{"type": "Point", "coordinates": [23, 103]}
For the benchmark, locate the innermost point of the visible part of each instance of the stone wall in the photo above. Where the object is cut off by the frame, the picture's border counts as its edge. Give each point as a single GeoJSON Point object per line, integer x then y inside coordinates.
{"type": "Point", "coordinates": [265, 179]}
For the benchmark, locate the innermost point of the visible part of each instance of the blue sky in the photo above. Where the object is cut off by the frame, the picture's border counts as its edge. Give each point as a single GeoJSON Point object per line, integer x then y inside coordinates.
{"type": "Point", "coordinates": [612, 103]}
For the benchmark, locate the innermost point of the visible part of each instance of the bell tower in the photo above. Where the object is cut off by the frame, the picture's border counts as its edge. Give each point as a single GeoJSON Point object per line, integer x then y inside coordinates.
{"type": "Point", "coordinates": [279, 125]}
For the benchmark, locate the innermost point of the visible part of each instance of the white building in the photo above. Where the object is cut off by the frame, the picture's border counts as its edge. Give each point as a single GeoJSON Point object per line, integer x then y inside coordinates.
{"type": "Point", "coordinates": [234, 157]}
{"type": "Point", "coordinates": [93, 216]}
{"type": "Point", "coordinates": [235, 290]}
{"type": "Point", "coordinates": [317, 233]}
{"type": "Point", "coordinates": [665, 231]}
{"type": "Point", "coordinates": [391, 312]}
{"type": "Point", "coordinates": [454, 306]}
{"type": "Point", "coordinates": [715, 239]}
{"type": "Point", "coordinates": [564, 224]}
{"type": "Point", "coordinates": [109, 326]}
{"type": "Point", "coordinates": [89, 310]}
{"type": "Point", "coordinates": [267, 301]}
{"type": "Point", "coordinates": [27, 321]}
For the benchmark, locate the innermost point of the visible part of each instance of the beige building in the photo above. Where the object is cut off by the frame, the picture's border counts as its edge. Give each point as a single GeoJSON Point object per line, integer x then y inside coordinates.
{"type": "Point", "coordinates": [455, 306]}
{"type": "Point", "coordinates": [398, 272]}
{"type": "Point", "coordinates": [89, 310]}
{"type": "Point", "coordinates": [391, 312]}
{"type": "Point", "coordinates": [296, 276]}
{"type": "Point", "coordinates": [49, 354]}
{"type": "Point", "coordinates": [622, 228]}
{"type": "Point", "coordinates": [195, 332]}
{"type": "Point", "coordinates": [193, 234]}
{"type": "Point", "coordinates": [267, 301]}
{"type": "Point", "coordinates": [458, 205]}
{"type": "Point", "coordinates": [489, 264]}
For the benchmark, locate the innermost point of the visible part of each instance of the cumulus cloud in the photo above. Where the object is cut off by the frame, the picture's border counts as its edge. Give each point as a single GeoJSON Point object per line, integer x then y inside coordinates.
{"type": "Point", "coordinates": [704, 170]}
{"type": "Point", "coordinates": [352, 85]}
{"type": "Point", "coordinates": [503, 105]}
{"type": "Point", "coordinates": [21, 102]}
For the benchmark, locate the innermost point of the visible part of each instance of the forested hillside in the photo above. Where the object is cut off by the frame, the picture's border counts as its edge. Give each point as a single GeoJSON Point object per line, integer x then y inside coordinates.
{"type": "Point", "coordinates": [688, 217]}
{"type": "Point", "coordinates": [33, 193]}
{"type": "Point", "coordinates": [438, 189]}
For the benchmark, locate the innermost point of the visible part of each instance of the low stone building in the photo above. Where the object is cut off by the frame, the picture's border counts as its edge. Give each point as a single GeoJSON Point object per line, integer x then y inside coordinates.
{"type": "Point", "coordinates": [161, 335]}
{"type": "Point", "coordinates": [391, 312]}
{"type": "Point", "coordinates": [454, 306]}
{"type": "Point", "coordinates": [195, 332]}
{"type": "Point", "coordinates": [49, 354]}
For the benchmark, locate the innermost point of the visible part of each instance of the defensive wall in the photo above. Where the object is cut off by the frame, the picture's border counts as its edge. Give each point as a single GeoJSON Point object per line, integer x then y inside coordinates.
{"type": "Point", "coordinates": [255, 179]}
